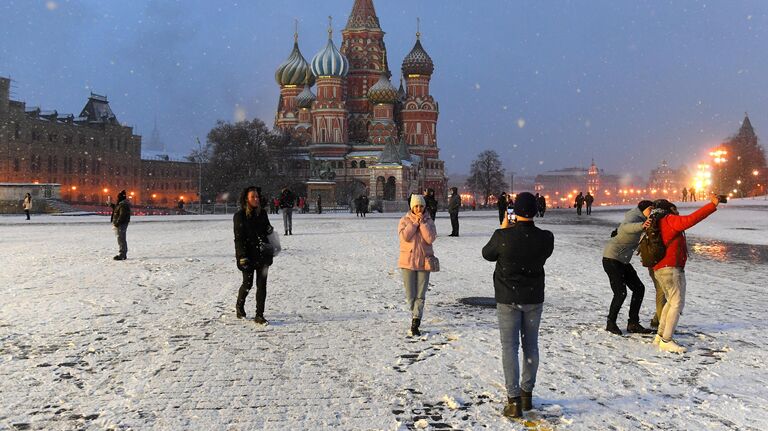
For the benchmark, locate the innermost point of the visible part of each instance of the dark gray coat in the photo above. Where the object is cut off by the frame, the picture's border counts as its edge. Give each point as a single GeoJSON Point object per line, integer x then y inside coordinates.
{"type": "Point", "coordinates": [121, 214]}
{"type": "Point", "coordinates": [622, 246]}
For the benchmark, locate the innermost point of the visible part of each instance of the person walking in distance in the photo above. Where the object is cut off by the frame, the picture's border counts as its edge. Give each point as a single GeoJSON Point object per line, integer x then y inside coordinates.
{"type": "Point", "coordinates": [520, 250]}
{"type": "Point", "coordinates": [685, 194]}
{"type": "Point", "coordinates": [27, 205]}
{"type": "Point", "coordinates": [588, 199]}
{"type": "Point", "coordinates": [501, 205]}
{"type": "Point", "coordinates": [621, 275]}
{"type": "Point", "coordinates": [319, 204]}
{"type": "Point", "coordinates": [287, 201]}
{"type": "Point", "coordinates": [541, 202]}
{"type": "Point", "coordinates": [578, 203]}
{"type": "Point", "coordinates": [253, 251]}
{"type": "Point", "coordinates": [670, 271]}
{"type": "Point", "coordinates": [692, 194]}
{"type": "Point", "coordinates": [454, 203]}
{"type": "Point", "coordinates": [121, 216]}
{"type": "Point", "coordinates": [417, 232]}
{"type": "Point", "coordinates": [431, 201]}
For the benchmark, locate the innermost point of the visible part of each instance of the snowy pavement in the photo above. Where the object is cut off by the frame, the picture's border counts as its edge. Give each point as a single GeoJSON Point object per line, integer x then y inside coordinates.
{"type": "Point", "coordinates": [153, 342]}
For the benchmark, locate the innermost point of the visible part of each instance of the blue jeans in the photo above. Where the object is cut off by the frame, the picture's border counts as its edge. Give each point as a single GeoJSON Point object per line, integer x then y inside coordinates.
{"type": "Point", "coordinates": [516, 322]}
{"type": "Point", "coordinates": [416, 284]}
{"type": "Point", "coordinates": [287, 219]}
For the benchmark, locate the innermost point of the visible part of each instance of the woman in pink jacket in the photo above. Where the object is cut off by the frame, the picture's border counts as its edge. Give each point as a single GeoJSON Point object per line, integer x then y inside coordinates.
{"type": "Point", "coordinates": [417, 233]}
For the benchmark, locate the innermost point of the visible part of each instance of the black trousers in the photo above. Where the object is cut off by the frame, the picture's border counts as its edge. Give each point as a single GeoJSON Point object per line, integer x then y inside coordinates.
{"type": "Point", "coordinates": [578, 209]}
{"type": "Point", "coordinates": [623, 276]}
{"type": "Point", "coordinates": [589, 209]}
{"type": "Point", "coordinates": [261, 287]}
{"type": "Point", "coordinates": [502, 214]}
{"type": "Point", "coordinates": [455, 224]}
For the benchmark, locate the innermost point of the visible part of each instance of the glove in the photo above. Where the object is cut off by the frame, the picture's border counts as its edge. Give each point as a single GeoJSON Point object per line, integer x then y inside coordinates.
{"type": "Point", "coordinates": [244, 262]}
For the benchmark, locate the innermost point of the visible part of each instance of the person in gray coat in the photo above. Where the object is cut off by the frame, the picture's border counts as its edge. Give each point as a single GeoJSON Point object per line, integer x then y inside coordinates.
{"type": "Point", "coordinates": [454, 203]}
{"type": "Point", "coordinates": [616, 256]}
{"type": "Point", "coordinates": [121, 216]}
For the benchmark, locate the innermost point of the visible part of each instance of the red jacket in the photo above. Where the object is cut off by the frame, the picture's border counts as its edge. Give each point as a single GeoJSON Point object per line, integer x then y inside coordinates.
{"type": "Point", "coordinates": [672, 227]}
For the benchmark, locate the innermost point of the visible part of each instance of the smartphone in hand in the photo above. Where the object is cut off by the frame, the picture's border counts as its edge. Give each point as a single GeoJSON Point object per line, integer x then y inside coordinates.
{"type": "Point", "coordinates": [511, 214]}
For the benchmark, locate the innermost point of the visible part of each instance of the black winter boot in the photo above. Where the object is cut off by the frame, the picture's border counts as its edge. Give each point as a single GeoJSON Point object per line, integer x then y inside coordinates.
{"type": "Point", "coordinates": [527, 400]}
{"type": "Point", "coordinates": [260, 320]}
{"type": "Point", "coordinates": [613, 328]}
{"type": "Point", "coordinates": [514, 408]}
{"type": "Point", "coordinates": [636, 328]}
{"type": "Point", "coordinates": [240, 308]}
{"type": "Point", "coordinates": [415, 327]}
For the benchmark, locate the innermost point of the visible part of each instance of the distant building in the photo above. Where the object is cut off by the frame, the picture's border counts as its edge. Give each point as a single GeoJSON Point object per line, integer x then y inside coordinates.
{"type": "Point", "coordinates": [667, 182]}
{"type": "Point", "coordinates": [357, 129]}
{"type": "Point", "coordinates": [90, 155]}
{"type": "Point", "coordinates": [561, 186]}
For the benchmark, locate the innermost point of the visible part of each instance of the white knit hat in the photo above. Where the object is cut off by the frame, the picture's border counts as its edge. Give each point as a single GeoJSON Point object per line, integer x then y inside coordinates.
{"type": "Point", "coordinates": [417, 200]}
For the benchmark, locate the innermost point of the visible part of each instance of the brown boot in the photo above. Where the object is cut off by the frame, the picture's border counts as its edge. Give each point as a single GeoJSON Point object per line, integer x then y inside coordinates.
{"type": "Point", "coordinates": [526, 399]}
{"type": "Point", "coordinates": [514, 408]}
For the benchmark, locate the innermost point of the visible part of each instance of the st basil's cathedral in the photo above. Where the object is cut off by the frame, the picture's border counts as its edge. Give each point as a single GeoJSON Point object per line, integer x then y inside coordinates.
{"type": "Point", "coordinates": [356, 133]}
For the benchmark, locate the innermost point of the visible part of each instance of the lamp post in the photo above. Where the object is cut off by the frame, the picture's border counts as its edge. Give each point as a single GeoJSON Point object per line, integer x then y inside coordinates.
{"type": "Point", "coordinates": [200, 176]}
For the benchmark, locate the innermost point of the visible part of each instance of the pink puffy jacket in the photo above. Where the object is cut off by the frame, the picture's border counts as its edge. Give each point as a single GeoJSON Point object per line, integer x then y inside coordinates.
{"type": "Point", "coordinates": [416, 240]}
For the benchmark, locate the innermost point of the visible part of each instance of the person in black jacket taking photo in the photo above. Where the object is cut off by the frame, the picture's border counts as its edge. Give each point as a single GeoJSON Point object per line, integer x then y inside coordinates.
{"type": "Point", "coordinates": [520, 250]}
{"type": "Point", "coordinates": [252, 250]}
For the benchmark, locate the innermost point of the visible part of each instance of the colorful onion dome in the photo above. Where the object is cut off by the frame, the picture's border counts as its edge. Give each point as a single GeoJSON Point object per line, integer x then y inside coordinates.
{"type": "Point", "coordinates": [383, 91]}
{"type": "Point", "coordinates": [418, 62]}
{"type": "Point", "coordinates": [305, 98]}
{"type": "Point", "coordinates": [294, 70]}
{"type": "Point", "coordinates": [329, 61]}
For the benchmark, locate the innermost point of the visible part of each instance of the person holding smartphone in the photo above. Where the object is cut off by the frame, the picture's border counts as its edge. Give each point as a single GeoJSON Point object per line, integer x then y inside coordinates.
{"type": "Point", "coordinates": [520, 250]}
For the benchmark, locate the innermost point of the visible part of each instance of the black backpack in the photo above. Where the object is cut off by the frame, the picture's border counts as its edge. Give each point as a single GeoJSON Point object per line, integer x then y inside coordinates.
{"type": "Point", "coordinates": [652, 248]}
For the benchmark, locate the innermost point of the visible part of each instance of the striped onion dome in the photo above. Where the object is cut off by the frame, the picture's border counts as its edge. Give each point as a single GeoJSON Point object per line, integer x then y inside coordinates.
{"type": "Point", "coordinates": [305, 98]}
{"type": "Point", "coordinates": [329, 61]}
{"type": "Point", "coordinates": [294, 70]}
{"type": "Point", "coordinates": [418, 62]}
{"type": "Point", "coordinates": [382, 91]}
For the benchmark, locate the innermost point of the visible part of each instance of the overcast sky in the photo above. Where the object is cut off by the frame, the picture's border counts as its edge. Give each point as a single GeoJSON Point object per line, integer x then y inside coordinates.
{"type": "Point", "coordinates": [547, 84]}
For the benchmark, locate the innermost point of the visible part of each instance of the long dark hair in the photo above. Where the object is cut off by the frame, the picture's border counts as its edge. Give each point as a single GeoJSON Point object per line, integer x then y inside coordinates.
{"type": "Point", "coordinates": [244, 199]}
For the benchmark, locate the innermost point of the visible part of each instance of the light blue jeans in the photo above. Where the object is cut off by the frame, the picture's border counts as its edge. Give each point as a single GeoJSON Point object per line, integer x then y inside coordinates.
{"type": "Point", "coordinates": [519, 322]}
{"type": "Point", "coordinates": [416, 284]}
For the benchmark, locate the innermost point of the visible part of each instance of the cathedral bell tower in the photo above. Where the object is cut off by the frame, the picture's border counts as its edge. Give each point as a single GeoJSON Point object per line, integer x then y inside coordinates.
{"type": "Point", "coordinates": [329, 113]}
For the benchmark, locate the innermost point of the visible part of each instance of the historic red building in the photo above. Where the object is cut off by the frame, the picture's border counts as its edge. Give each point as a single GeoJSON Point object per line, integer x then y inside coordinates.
{"type": "Point", "coordinates": [357, 130]}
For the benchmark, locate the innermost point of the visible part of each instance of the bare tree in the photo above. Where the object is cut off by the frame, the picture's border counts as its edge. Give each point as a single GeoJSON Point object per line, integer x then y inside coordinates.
{"type": "Point", "coordinates": [486, 175]}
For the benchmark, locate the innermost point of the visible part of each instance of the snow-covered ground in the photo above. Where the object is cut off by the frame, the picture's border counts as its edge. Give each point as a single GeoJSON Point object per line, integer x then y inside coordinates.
{"type": "Point", "coordinates": [153, 342]}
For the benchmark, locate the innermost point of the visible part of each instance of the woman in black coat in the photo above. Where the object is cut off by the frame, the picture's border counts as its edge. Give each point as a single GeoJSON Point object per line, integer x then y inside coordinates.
{"type": "Point", "coordinates": [252, 250]}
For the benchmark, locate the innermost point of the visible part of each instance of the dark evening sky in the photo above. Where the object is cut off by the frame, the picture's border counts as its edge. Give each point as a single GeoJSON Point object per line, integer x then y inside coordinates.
{"type": "Point", "coordinates": [547, 85]}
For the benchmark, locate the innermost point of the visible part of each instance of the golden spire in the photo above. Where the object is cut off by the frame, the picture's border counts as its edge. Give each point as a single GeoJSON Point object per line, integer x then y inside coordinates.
{"type": "Point", "coordinates": [418, 28]}
{"type": "Point", "coordinates": [296, 30]}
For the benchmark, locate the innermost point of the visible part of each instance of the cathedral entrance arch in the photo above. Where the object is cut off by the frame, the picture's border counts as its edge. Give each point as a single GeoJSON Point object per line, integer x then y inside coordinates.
{"type": "Point", "coordinates": [390, 189]}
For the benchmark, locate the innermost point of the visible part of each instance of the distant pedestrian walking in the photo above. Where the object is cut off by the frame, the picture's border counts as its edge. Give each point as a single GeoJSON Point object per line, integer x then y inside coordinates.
{"type": "Point", "coordinates": [27, 205]}
{"type": "Point", "coordinates": [501, 205]}
{"type": "Point", "coordinates": [417, 232]}
{"type": "Point", "coordinates": [520, 250]}
{"type": "Point", "coordinates": [454, 203]}
{"type": "Point", "coordinates": [685, 194]}
{"type": "Point", "coordinates": [588, 199]}
{"type": "Point", "coordinates": [621, 275]}
{"type": "Point", "coordinates": [253, 250]}
{"type": "Point", "coordinates": [541, 205]}
{"type": "Point", "coordinates": [287, 201]}
{"type": "Point", "coordinates": [692, 194]}
{"type": "Point", "coordinates": [121, 216]}
{"type": "Point", "coordinates": [579, 203]}
{"type": "Point", "coordinates": [319, 204]}
{"type": "Point", "coordinates": [431, 201]}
